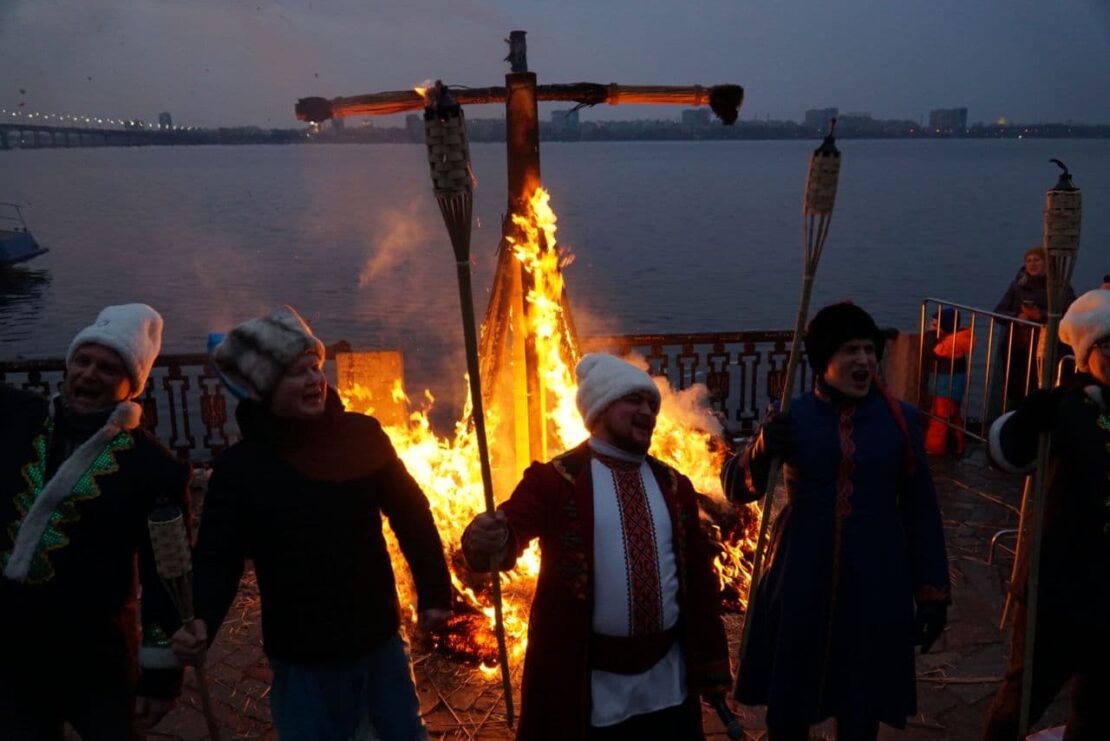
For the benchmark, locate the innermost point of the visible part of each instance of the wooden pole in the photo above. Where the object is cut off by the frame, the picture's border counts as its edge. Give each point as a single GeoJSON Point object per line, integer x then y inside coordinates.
{"type": "Point", "coordinates": [449, 163]}
{"type": "Point", "coordinates": [1063, 208]}
{"type": "Point", "coordinates": [817, 207]}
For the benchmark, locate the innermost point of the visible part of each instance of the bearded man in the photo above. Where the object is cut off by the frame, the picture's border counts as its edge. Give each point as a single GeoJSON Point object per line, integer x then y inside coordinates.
{"type": "Point", "coordinates": [625, 629]}
{"type": "Point", "coordinates": [78, 480]}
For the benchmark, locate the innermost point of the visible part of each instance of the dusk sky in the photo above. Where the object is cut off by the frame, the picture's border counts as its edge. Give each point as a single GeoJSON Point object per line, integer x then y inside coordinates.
{"type": "Point", "coordinates": [235, 62]}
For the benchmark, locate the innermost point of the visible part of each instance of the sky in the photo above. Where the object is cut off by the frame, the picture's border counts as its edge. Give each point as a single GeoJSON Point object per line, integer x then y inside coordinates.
{"type": "Point", "coordinates": [245, 62]}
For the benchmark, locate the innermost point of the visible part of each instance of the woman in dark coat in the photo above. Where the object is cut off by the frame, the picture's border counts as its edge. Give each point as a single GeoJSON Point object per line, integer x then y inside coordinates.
{"type": "Point", "coordinates": [857, 544]}
{"type": "Point", "coordinates": [1025, 298]}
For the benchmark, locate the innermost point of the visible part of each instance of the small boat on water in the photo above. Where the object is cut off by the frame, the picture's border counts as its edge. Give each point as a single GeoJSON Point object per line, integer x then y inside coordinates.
{"type": "Point", "coordinates": [16, 243]}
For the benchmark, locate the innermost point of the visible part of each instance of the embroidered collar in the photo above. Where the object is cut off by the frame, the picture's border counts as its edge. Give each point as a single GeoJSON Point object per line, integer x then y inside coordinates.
{"type": "Point", "coordinates": [612, 451]}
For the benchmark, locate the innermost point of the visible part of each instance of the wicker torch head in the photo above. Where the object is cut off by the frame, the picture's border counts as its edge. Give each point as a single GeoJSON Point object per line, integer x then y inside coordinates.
{"type": "Point", "coordinates": [170, 542]}
{"type": "Point", "coordinates": [449, 163]}
{"type": "Point", "coordinates": [824, 174]}
{"type": "Point", "coordinates": [1062, 215]}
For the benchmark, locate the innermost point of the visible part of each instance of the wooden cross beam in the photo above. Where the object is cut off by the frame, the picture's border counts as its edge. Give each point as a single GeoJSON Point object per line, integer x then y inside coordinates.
{"type": "Point", "coordinates": [725, 100]}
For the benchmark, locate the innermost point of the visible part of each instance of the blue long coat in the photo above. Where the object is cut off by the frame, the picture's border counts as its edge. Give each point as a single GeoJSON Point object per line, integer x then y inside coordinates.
{"type": "Point", "coordinates": [859, 540]}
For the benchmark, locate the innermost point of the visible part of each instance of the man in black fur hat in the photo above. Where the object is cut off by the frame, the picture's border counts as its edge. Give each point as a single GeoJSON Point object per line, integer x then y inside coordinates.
{"type": "Point", "coordinates": [857, 547]}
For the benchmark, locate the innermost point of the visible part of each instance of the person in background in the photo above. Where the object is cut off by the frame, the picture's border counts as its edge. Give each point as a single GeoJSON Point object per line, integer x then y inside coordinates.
{"type": "Point", "coordinates": [625, 630]}
{"type": "Point", "coordinates": [78, 479]}
{"type": "Point", "coordinates": [951, 345]}
{"type": "Point", "coordinates": [858, 544]}
{"type": "Point", "coordinates": [302, 495]}
{"type": "Point", "coordinates": [1073, 607]}
{"type": "Point", "coordinates": [1105, 281]}
{"type": "Point", "coordinates": [1026, 298]}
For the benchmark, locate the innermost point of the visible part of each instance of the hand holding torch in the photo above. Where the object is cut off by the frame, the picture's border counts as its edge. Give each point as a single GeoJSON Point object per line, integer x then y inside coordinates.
{"type": "Point", "coordinates": [817, 208]}
{"type": "Point", "coordinates": [452, 180]}
{"type": "Point", "coordinates": [173, 561]}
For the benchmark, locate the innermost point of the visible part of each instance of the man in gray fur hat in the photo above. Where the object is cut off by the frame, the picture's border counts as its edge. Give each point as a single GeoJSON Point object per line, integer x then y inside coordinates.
{"type": "Point", "coordinates": [78, 480]}
{"type": "Point", "coordinates": [302, 495]}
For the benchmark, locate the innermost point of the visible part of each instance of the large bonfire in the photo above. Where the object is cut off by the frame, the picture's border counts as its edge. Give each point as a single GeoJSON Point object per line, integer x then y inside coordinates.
{"type": "Point", "coordinates": [447, 468]}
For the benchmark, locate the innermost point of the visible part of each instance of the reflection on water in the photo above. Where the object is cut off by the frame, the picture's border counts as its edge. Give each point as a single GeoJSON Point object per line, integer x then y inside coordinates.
{"type": "Point", "coordinates": [668, 236]}
{"type": "Point", "coordinates": [21, 292]}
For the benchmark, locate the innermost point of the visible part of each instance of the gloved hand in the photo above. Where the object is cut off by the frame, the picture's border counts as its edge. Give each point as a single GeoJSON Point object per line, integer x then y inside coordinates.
{"type": "Point", "coordinates": [779, 435]}
{"type": "Point", "coordinates": [1040, 410]}
{"type": "Point", "coordinates": [929, 624]}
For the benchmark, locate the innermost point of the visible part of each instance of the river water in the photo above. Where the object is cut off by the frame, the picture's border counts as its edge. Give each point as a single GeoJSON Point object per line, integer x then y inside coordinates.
{"type": "Point", "coordinates": [669, 236]}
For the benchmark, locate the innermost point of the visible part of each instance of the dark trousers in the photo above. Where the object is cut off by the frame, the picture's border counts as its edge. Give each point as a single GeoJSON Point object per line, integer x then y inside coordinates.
{"type": "Point", "coordinates": [678, 723]}
{"type": "Point", "coordinates": [1063, 651]}
{"type": "Point", "coordinates": [97, 701]}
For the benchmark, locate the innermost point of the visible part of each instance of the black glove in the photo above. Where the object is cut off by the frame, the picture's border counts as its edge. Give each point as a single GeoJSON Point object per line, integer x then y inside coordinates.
{"type": "Point", "coordinates": [1041, 408]}
{"type": "Point", "coordinates": [779, 435]}
{"type": "Point", "coordinates": [929, 624]}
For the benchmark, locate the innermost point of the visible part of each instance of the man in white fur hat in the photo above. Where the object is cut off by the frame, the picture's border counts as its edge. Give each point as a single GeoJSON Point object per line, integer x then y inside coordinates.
{"type": "Point", "coordinates": [1073, 609]}
{"type": "Point", "coordinates": [625, 629]}
{"type": "Point", "coordinates": [78, 479]}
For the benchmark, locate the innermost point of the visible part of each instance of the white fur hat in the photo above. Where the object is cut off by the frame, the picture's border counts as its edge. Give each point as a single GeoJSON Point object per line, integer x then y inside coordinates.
{"type": "Point", "coordinates": [256, 354]}
{"type": "Point", "coordinates": [134, 331]}
{"type": "Point", "coordinates": [1086, 322]}
{"type": "Point", "coordinates": [602, 379]}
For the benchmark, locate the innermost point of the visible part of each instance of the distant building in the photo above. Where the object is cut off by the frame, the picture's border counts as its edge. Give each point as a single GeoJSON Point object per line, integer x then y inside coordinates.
{"type": "Point", "coordinates": [165, 121]}
{"type": "Point", "coordinates": [695, 118]}
{"type": "Point", "coordinates": [948, 119]}
{"type": "Point", "coordinates": [818, 118]}
{"type": "Point", "coordinates": [414, 127]}
{"type": "Point", "coordinates": [338, 124]}
{"type": "Point", "coordinates": [567, 119]}
{"type": "Point", "coordinates": [859, 123]}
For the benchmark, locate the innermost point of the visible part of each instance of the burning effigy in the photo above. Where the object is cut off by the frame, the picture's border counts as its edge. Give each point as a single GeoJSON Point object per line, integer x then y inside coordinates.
{"type": "Point", "coordinates": [526, 353]}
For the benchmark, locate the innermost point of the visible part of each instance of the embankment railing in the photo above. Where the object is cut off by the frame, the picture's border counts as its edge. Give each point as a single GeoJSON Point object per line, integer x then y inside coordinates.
{"type": "Point", "coordinates": [187, 408]}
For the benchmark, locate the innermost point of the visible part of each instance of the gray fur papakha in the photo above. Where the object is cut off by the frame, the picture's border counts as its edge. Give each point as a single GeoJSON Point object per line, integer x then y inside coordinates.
{"type": "Point", "coordinates": [256, 354]}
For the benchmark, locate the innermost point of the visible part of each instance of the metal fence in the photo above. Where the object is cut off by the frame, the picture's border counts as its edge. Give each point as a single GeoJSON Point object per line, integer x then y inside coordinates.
{"type": "Point", "coordinates": [1001, 364]}
{"type": "Point", "coordinates": [187, 408]}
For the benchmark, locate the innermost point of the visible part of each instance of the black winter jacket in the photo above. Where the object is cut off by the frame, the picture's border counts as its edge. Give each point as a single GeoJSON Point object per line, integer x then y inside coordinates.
{"type": "Point", "coordinates": [1075, 550]}
{"type": "Point", "coordinates": [324, 574]}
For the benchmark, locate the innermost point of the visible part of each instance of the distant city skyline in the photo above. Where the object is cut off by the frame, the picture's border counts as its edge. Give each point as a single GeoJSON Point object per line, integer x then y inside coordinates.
{"type": "Point", "coordinates": [240, 62]}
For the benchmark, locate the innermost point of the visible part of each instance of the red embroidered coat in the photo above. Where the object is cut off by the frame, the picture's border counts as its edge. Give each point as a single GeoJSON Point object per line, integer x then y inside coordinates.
{"type": "Point", "coordinates": [554, 502]}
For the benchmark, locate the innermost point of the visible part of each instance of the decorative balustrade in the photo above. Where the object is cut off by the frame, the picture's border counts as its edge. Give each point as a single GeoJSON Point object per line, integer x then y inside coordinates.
{"type": "Point", "coordinates": [188, 409]}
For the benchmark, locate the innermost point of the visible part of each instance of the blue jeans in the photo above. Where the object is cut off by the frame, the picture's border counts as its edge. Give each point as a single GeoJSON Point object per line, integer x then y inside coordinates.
{"type": "Point", "coordinates": [334, 701]}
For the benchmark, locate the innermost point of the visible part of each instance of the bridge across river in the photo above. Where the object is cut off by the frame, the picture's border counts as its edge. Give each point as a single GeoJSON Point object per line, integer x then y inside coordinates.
{"type": "Point", "coordinates": [37, 136]}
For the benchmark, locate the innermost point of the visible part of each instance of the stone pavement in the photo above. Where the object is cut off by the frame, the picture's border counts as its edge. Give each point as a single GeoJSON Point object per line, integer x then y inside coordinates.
{"type": "Point", "coordinates": [957, 678]}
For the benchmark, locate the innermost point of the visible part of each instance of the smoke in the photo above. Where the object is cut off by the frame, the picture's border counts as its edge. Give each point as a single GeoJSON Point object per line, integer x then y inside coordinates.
{"type": "Point", "coordinates": [688, 407]}
{"type": "Point", "coordinates": [395, 234]}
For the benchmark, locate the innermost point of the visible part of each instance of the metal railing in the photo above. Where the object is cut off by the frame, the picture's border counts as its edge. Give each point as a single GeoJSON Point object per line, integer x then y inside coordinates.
{"type": "Point", "coordinates": [996, 358]}
{"type": "Point", "coordinates": [186, 407]}
{"type": "Point", "coordinates": [742, 371]}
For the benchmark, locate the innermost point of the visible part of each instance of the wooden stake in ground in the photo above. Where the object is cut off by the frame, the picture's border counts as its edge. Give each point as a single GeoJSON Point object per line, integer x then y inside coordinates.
{"type": "Point", "coordinates": [817, 208]}
{"type": "Point", "coordinates": [1062, 212]}
{"type": "Point", "coordinates": [449, 160]}
{"type": "Point", "coordinates": [173, 560]}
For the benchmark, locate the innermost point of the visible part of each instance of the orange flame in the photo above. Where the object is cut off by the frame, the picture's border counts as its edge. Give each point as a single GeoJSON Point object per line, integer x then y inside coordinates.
{"type": "Point", "coordinates": [447, 468]}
